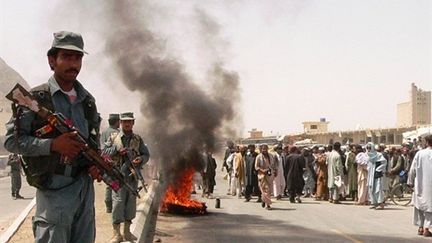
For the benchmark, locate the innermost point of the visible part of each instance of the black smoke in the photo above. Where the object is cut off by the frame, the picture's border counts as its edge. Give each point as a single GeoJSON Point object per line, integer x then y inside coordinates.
{"type": "Point", "coordinates": [182, 117]}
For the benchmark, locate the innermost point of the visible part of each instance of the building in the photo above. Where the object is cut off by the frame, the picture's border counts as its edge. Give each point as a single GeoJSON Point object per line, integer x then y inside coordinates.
{"type": "Point", "coordinates": [311, 127]}
{"type": "Point", "coordinates": [318, 134]}
{"type": "Point", "coordinates": [256, 137]}
{"type": "Point", "coordinates": [377, 136]}
{"type": "Point", "coordinates": [254, 133]}
{"type": "Point", "coordinates": [416, 111]}
{"type": "Point", "coordinates": [411, 116]}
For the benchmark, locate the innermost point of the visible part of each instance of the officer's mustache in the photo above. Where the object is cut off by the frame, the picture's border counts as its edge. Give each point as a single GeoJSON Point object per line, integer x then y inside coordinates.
{"type": "Point", "coordinates": [72, 70]}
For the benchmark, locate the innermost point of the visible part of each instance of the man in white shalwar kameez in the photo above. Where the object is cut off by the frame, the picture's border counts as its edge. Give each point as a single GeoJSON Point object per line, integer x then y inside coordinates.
{"type": "Point", "coordinates": [362, 175]}
{"type": "Point", "coordinates": [420, 176]}
{"type": "Point", "coordinates": [230, 170]}
{"type": "Point", "coordinates": [279, 180]}
{"type": "Point", "coordinates": [335, 173]}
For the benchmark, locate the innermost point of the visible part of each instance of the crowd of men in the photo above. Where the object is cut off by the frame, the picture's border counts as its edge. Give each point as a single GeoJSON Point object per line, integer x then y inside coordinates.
{"type": "Point", "coordinates": [334, 173]}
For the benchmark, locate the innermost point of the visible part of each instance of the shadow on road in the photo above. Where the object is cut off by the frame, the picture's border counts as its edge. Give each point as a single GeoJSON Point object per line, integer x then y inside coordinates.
{"type": "Point", "coordinates": [26, 199]}
{"type": "Point", "coordinates": [303, 202]}
{"type": "Point", "coordinates": [282, 209]}
{"type": "Point", "coordinates": [388, 209]}
{"type": "Point", "coordinates": [223, 227]}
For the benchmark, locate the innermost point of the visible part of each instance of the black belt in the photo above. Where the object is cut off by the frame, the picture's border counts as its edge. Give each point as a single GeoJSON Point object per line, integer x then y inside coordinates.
{"type": "Point", "coordinates": [67, 170]}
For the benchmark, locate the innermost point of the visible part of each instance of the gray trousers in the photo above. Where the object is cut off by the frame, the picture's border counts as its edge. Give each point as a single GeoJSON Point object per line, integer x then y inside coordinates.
{"type": "Point", "coordinates": [334, 193]}
{"type": "Point", "coordinates": [108, 195]}
{"type": "Point", "coordinates": [376, 195]}
{"type": "Point", "coordinates": [15, 181]}
{"type": "Point", "coordinates": [66, 215]}
{"type": "Point", "coordinates": [422, 218]}
{"type": "Point", "coordinates": [124, 204]}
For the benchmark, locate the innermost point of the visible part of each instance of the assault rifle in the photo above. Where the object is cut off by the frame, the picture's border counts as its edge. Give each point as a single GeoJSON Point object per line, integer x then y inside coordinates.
{"type": "Point", "coordinates": [135, 169]}
{"type": "Point", "coordinates": [110, 174]}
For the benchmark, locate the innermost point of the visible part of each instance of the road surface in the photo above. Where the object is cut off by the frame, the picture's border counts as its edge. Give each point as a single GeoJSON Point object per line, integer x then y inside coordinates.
{"type": "Point", "coordinates": [310, 221]}
{"type": "Point", "coordinates": [10, 209]}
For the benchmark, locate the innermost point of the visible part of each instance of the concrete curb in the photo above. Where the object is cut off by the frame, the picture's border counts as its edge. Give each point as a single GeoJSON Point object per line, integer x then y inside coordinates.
{"type": "Point", "coordinates": [17, 223]}
{"type": "Point", "coordinates": [147, 212]}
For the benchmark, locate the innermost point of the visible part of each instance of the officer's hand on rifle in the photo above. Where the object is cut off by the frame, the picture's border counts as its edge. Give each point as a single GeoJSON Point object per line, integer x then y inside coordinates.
{"type": "Point", "coordinates": [67, 145]}
{"type": "Point", "coordinates": [95, 173]}
{"type": "Point", "coordinates": [137, 161]}
{"type": "Point", "coordinates": [123, 151]}
{"type": "Point", "coordinates": [108, 160]}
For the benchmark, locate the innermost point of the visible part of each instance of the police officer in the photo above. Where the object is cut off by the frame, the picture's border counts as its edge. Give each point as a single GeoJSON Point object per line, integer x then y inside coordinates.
{"type": "Point", "coordinates": [14, 161]}
{"type": "Point", "coordinates": [65, 195]}
{"type": "Point", "coordinates": [126, 149]}
{"type": "Point", "coordinates": [114, 124]}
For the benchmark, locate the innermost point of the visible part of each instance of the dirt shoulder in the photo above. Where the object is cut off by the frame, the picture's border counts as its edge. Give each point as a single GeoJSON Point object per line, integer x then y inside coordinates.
{"type": "Point", "coordinates": [103, 221]}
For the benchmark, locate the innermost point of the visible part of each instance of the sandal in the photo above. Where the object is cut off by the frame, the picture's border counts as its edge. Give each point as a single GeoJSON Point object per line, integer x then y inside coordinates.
{"type": "Point", "coordinates": [420, 231]}
{"type": "Point", "coordinates": [427, 233]}
{"type": "Point", "coordinates": [380, 206]}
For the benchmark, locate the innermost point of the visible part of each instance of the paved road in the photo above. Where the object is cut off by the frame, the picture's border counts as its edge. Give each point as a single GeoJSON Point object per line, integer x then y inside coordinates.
{"type": "Point", "coordinates": [311, 221]}
{"type": "Point", "coordinates": [10, 209]}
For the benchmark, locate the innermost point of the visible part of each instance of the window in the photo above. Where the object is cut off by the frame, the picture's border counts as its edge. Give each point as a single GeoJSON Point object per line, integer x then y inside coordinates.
{"type": "Point", "coordinates": [314, 127]}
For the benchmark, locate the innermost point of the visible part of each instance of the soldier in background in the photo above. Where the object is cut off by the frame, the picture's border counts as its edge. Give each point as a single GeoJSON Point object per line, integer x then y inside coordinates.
{"type": "Point", "coordinates": [126, 149]}
{"type": "Point", "coordinates": [14, 161]}
{"type": "Point", "coordinates": [114, 124]}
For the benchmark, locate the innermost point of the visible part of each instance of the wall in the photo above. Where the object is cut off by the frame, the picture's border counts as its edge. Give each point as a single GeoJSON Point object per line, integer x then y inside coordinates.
{"type": "Point", "coordinates": [404, 115]}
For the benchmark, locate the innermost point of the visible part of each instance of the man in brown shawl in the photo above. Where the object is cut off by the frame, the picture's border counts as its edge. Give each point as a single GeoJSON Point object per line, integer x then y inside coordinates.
{"type": "Point", "coordinates": [322, 189]}
{"type": "Point", "coordinates": [265, 166]}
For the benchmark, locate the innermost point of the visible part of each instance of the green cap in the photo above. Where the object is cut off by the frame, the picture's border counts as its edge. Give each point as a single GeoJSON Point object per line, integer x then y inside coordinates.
{"type": "Point", "coordinates": [127, 116]}
{"type": "Point", "coordinates": [114, 116]}
{"type": "Point", "coordinates": [69, 41]}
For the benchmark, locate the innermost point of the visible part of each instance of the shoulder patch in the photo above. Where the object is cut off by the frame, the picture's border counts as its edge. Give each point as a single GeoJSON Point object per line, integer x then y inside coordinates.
{"type": "Point", "coordinates": [41, 87]}
{"type": "Point", "coordinates": [138, 137]}
{"type": "Point", "coordinates": [114, 135]}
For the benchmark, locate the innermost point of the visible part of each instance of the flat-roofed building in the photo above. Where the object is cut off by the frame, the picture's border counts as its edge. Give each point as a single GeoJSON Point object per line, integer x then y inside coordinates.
{"type": "Point", "coordinates": [363, 136]}
{"type": "Point", "coordinates": [310, 127]}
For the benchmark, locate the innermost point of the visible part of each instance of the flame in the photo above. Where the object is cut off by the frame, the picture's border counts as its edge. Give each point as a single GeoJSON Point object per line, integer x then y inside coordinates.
{"type": "Point", "coordinates": [180, 193]}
